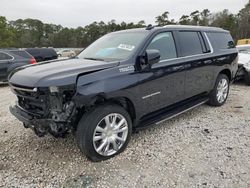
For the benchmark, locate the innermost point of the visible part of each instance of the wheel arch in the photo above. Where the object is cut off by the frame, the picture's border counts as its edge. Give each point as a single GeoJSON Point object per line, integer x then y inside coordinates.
{"type": "Point", "coordinates": [102, 99]}
{"type": "Point", "coordinates": [227, 72]}
{"type": "Point", "coordinates": [124, 102]}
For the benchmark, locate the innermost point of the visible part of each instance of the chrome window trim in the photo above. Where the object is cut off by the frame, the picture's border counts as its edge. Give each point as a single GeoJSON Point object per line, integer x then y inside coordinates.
{"type": "Point", "coordinates": [210, 46]}
{"type": "Point", "coordinates": [8, 55]}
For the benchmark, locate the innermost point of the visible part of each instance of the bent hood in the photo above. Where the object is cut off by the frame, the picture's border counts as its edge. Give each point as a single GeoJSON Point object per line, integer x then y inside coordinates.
{"type": "Point", "coordinates": [57, 73]}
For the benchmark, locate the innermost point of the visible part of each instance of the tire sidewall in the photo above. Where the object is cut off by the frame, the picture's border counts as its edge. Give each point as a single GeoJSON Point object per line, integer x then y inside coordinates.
{"type": "Point", "coordinates": [220, 77]}
{"type": "Point", "coordinates": [87, 126]}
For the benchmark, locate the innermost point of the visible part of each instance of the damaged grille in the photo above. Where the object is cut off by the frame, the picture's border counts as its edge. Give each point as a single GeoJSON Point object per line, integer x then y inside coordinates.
{"type": "Point", "coordinates": [30, 99]}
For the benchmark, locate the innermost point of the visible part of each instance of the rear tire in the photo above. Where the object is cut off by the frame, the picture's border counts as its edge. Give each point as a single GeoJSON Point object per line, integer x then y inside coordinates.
{"type": "Point", "coordinates": [220, 92]}
{"type": "Point", "coordinates": [247, 77]}
{"type": "Point", "coordinates": [104, 132]}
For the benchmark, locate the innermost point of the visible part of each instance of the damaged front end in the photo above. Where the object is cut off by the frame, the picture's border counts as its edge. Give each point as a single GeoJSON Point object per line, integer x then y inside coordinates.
{"type": "Point", "coordinates": [45, 110]}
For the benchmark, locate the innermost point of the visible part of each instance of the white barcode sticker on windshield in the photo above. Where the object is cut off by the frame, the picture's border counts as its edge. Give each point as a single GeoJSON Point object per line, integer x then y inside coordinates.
{"type": "Point", "coordinates": [126, 47]}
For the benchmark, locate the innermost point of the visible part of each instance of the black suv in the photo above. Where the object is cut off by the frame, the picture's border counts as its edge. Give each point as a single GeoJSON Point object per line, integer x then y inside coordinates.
{"type": "Point", "coordinates": [125, 81]}
{"type": "Point", "coordinates": [42, 54]}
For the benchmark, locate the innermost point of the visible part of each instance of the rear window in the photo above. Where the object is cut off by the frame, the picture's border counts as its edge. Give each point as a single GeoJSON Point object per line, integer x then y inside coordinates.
{"type": "Point", "coordinates": [4, 56]}
{"type": "Point", "coordinates": [21, 53]}
{"type": "Point", "coordinates": [33, 52]}
{"type": "Point", "coordinates": [221, 40]}
{"type": "Point", "coordinates": [190, 43]}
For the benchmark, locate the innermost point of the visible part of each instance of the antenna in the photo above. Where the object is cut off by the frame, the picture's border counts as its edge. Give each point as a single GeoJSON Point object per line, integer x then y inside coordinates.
{"type": "Point", "coordinates": [149, 27]}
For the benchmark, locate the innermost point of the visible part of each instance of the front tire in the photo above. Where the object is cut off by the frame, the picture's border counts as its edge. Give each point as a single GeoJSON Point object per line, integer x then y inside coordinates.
{"type": "Point", "coordinates": [220, 92]}
{"type": "Point", "coordinates": [104, 132]}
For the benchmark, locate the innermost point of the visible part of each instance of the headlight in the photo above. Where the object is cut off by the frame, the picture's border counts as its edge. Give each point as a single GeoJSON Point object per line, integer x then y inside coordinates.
{"type": "Point", "coordinates": [53, 89]}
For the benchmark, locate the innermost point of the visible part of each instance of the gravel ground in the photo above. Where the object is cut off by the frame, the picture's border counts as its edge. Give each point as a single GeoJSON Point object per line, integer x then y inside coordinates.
{"type": "Point", "coordinates": [205, 147]}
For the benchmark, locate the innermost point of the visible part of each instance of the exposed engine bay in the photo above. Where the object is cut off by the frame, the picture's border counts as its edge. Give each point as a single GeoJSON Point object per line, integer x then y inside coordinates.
{"type": "Point", "coordinates": [46, 110]}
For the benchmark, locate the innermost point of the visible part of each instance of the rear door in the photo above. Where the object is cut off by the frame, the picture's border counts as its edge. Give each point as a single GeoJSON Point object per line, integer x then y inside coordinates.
{"type": "Point", "coordinates": [5, 61]}
{"type": "Point", "coordinates": [196, 54]}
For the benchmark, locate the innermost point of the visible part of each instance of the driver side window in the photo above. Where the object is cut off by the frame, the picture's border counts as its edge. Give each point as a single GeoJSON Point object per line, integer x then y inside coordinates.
{"type": "Point", "coordinates": [164, 42]}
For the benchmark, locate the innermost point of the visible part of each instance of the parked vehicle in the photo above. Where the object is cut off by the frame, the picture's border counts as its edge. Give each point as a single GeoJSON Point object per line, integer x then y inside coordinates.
{"type": "Point", "coordinates": [11, 59]}
{"type": "Point", "coordinates": [244, 63]}
{"type": "Point", "coordinates": [244, 48]}
{"type": "Point", "coordinates": [66, 53]}
{"type": "Point", "coordinates": [42, 54]}
{"type": "Point", "coordinates": [125, 81]}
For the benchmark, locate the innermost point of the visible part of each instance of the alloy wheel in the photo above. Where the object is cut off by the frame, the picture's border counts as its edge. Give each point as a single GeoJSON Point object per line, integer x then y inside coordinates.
{"type": "Point", "coordinates": [110, 134]}
{"type": "Point", "coordinates": [222, 90]}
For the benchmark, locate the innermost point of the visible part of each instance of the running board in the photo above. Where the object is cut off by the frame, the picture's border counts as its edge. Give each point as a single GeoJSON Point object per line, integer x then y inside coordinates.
{"type": "Point", "coordinates": [172, 112]}
{"type": "Point", "coordinates": [170, 117]}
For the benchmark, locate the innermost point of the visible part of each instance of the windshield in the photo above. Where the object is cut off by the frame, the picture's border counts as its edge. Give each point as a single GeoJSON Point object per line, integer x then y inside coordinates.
{"type": "Point", "coordinates": [112, 47]}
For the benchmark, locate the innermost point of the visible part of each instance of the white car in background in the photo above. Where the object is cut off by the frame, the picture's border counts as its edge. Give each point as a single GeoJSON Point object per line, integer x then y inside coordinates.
{"type": "Point", "coordinates": [66, 53]}
{"type": "Point", "coordinates": [244, 62]}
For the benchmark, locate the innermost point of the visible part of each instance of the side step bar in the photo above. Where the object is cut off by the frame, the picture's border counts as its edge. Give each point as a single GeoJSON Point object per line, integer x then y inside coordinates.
{"type": "Point", "coordinates": [174, 115]}
{"type": "Point", "coordinates": [172, 112]}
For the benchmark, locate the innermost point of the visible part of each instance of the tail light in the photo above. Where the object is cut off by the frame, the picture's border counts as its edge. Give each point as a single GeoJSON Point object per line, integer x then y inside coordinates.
{"type": "Point", "coordinates": [32, 61]}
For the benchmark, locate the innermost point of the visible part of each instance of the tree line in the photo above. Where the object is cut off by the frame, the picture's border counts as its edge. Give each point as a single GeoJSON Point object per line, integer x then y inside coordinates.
{"type": "Point", "coordinates": [24, 33]}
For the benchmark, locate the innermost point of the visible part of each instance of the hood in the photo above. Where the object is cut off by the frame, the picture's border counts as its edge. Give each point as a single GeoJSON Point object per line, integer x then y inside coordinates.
{"type": "Point", "coordinates": [57, 73]}
{"type": "Point", "coordinates": [243, 58]}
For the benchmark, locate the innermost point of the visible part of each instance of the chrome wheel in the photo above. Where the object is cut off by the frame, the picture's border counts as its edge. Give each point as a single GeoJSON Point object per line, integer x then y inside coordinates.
{"type": "Point", "coordinates": [110, 134]}
{"type": "Point", "coordinates": [222, 90]}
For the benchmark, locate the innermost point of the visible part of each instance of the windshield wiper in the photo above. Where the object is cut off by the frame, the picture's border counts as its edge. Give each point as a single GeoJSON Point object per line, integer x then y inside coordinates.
{"type": "Point", "coordinates": [92, 58]}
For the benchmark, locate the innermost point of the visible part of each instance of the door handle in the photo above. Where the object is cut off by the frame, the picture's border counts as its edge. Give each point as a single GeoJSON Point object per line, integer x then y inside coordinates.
{"type": "Point", "coordinates": [178, 68]}
{"type": "Point", "coordinates": [208, 62]}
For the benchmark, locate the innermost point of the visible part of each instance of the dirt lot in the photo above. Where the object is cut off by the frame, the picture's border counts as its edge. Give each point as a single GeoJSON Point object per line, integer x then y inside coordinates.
{"type": "Point", "coordinates": [206, 147]}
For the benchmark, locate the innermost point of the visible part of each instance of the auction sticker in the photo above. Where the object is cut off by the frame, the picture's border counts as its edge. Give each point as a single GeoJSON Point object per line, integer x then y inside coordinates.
{"type": "Point", "coordinates": [126, 47]}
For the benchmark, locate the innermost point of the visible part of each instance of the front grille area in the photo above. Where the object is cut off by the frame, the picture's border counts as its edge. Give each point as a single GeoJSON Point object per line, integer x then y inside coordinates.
{"type": "Point", "coordinates": [32, 100]}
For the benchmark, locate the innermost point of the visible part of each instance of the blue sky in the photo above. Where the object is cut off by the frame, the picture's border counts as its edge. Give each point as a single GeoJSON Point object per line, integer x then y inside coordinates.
{"type": "Point", "coordinates": [73, 13]}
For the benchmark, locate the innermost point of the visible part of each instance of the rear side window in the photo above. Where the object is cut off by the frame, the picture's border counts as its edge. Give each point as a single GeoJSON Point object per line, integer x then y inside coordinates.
{"type": "Point", "coordinates": [4, 56]}
{"type": "Point", "coordinates": [21, 53]}
{"type": "Point", "coordinates": [164, 42]}
{"type": "Point", "coordinates": [221, 40]}
{"type": "Point", "coordinates": [190, 43]}
{"type": "Point", "coordinates": [33, 52]}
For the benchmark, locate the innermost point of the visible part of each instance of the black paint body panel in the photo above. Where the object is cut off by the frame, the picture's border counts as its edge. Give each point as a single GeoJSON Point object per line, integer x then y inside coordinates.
{"type": "Point", "coordinates": [147, 90]}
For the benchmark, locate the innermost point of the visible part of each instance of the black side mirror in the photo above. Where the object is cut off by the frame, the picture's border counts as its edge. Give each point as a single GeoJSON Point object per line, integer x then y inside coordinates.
{"type": "Point", "coordinates": [151, 57]}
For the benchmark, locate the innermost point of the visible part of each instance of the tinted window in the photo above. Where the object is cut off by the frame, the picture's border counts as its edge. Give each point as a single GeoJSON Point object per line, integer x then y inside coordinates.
{"type": "Point", "coordinates": [221, 40]}
{"type": "Point", "coordinates": [164, 42]}
{"type": "Point", "coordinates": [4, 56]}
{"type": "Point", "coordinates": [33, 52]}
{"type": "Point", "coordinates": [190, 43]}
{"type": "Point", "coordinates": [21, 53]}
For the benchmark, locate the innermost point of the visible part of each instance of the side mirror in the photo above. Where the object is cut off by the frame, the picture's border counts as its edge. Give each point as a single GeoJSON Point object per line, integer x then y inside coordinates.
{"type": "Point", "coordinates": [151, 57]}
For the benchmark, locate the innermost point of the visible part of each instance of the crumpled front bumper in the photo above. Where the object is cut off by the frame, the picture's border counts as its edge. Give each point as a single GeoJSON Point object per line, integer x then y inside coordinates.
{"type": "Point", "coordinates": [39, 126]}
{"type": "Point", "coordinates": [24, 116]}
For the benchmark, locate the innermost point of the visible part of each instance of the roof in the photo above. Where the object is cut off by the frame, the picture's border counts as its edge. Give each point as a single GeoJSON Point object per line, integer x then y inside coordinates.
{"type": "Point", "coordinates": [175, 27]}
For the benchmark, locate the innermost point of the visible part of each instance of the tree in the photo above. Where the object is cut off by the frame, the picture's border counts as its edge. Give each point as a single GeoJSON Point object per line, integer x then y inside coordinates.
{"type": "Point", "coordinates": [6, 34]}
{"type": "Point", "coordinates": [185, 20]}
{"type": "Point", "coordinates": [163, 19]}
{"type": "Point", "coordinates": [244, 22]}
{"type": "Point", "coordinates": [225, 20]}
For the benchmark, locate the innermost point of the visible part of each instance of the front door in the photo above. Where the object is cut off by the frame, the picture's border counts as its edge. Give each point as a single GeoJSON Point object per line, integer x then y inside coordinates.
{"type": "Point", "coordinates": [163, 84]}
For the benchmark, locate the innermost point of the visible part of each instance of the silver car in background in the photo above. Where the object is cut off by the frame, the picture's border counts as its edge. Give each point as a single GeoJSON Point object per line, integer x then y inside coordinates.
{"type": "Point", "coordinates": [244, 62]}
